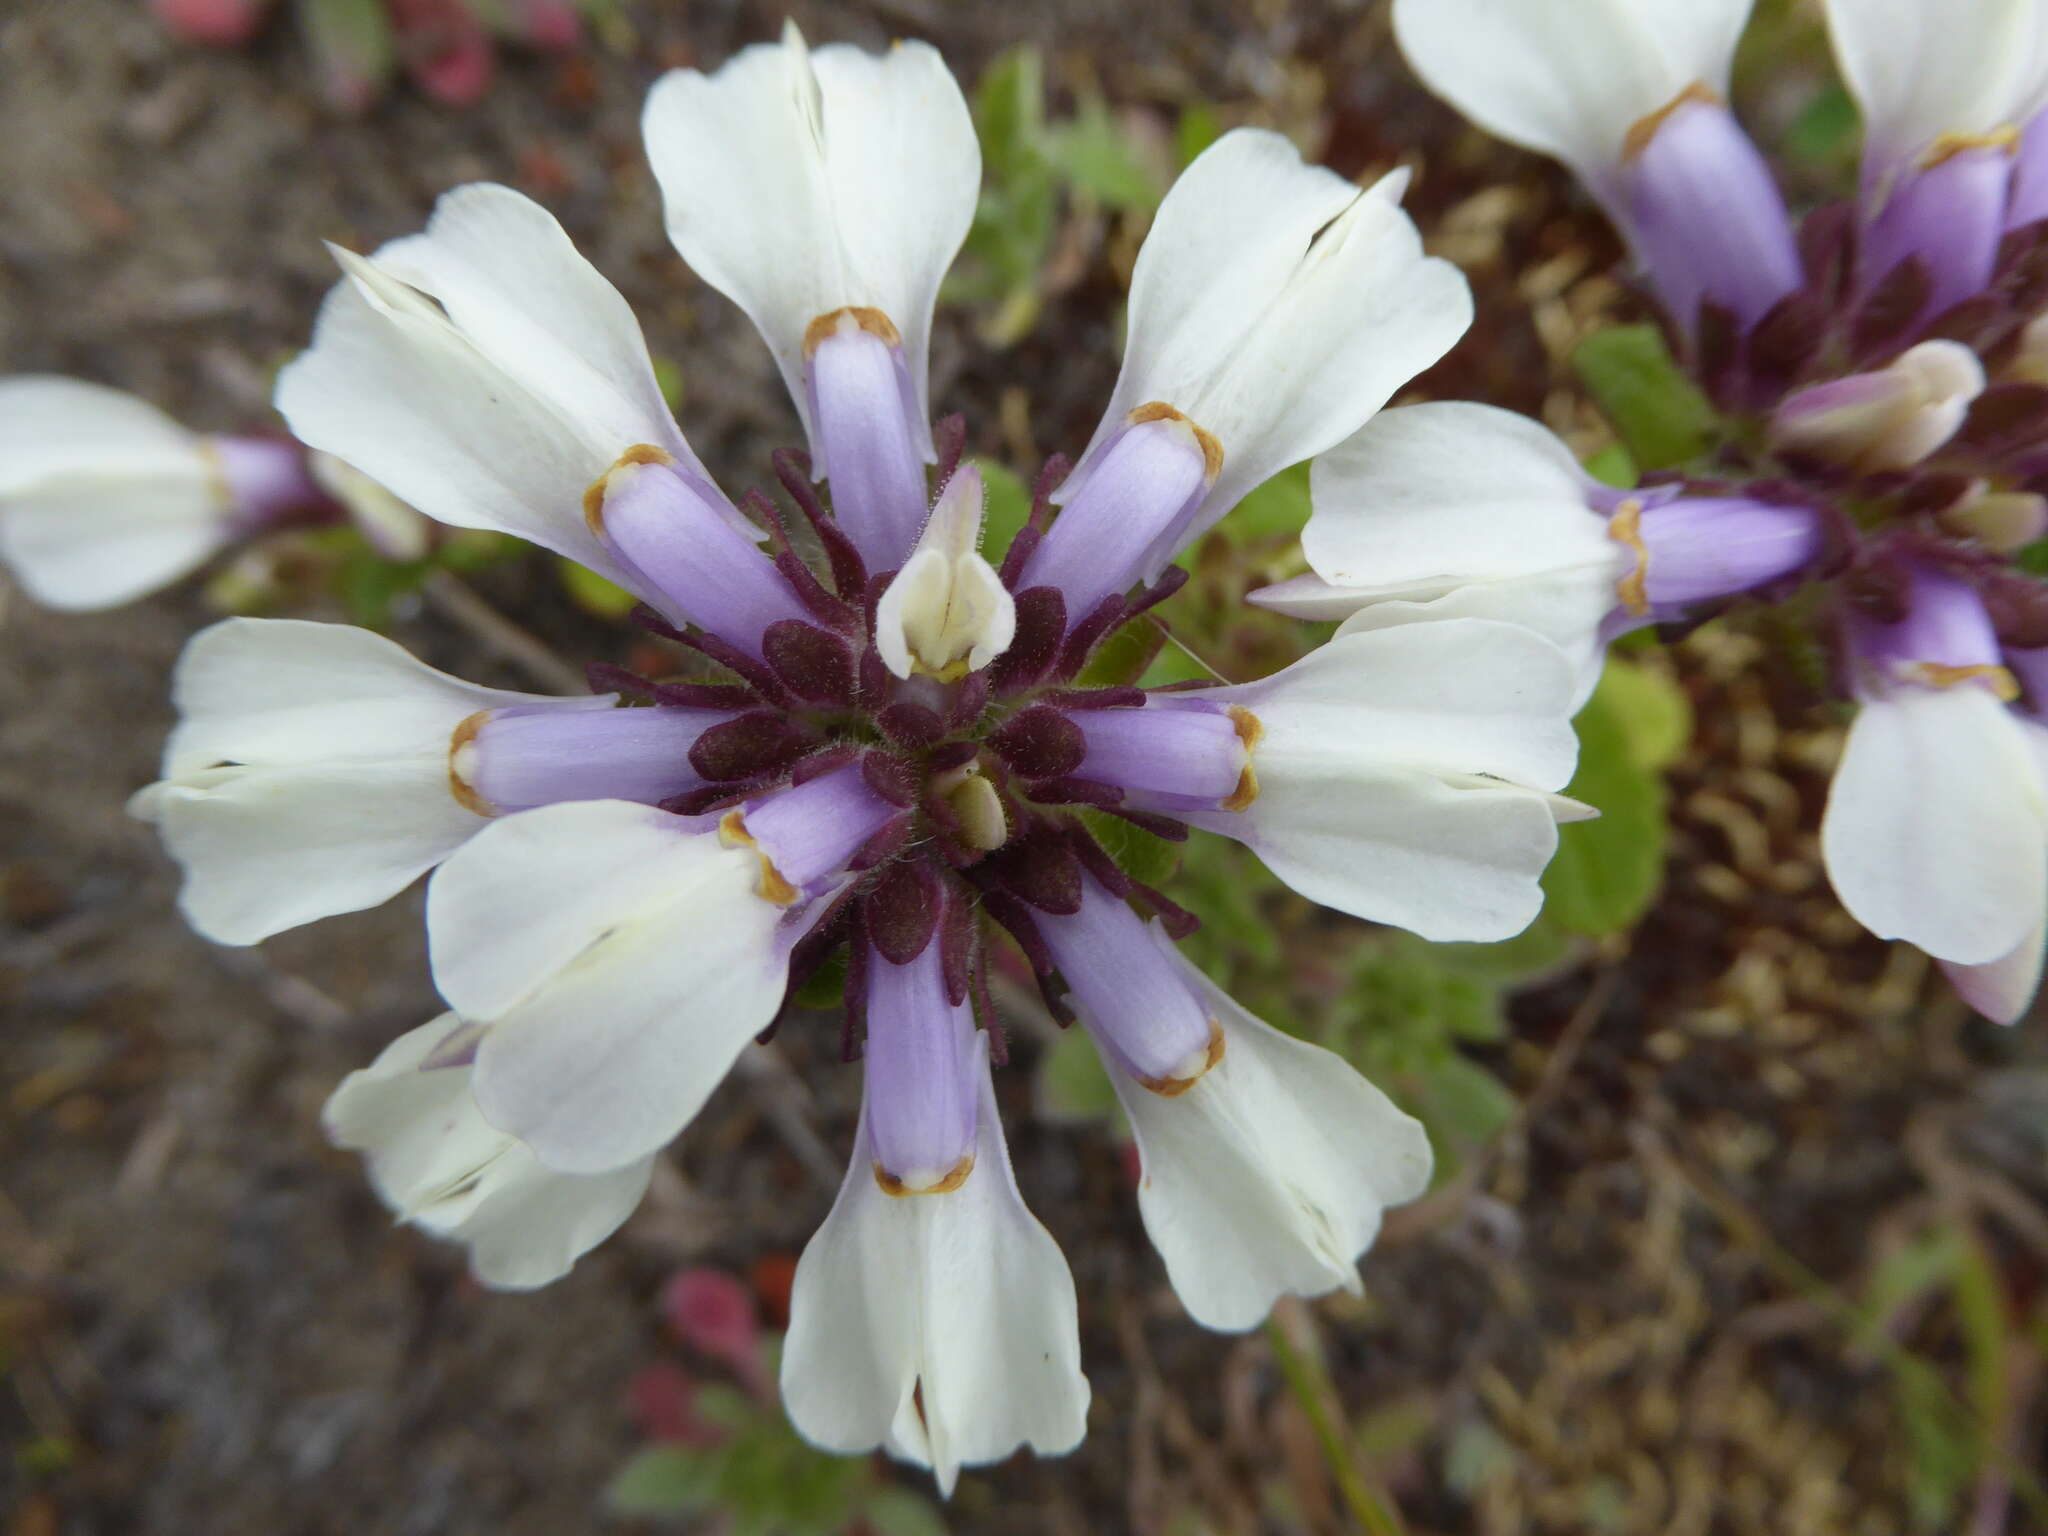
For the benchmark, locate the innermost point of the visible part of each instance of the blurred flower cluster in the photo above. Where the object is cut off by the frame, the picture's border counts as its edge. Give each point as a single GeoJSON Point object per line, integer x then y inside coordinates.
{"type": "Point", "coordinates": [1855, 427]}
{"type": "Point", "coordinates": [445, 47]}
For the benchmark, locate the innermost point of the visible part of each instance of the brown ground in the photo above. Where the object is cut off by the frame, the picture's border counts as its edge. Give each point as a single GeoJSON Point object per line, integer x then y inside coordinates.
{"type": "Point", "coordinates": [1628, 1319]}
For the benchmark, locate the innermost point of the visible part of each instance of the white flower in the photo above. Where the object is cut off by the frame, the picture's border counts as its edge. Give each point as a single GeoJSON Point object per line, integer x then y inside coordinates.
{"type": "Point", "coordinates": [622, 960]}
{"type": "Point", "coordinates": [439, 1164]}
{"type": "Point", "coordinates": [309, 774]}
{"type": "Point", "coordinates": [104, 498]}
{"type": "Point", "coordinates": [1452, 510]}
{"type": "Point", "coordinates": [1936, 77]}
{"type": "Point", "coordinates": [1267, 1174]}
{"type": "Point", "coordinates": [1256, 340]}
{"type": "Point", "coordinates": [319, 769]}
{"type": "Point", "coordinates": [1936, 830]}
{"type": "Point", "coordinates": [939, 1321]}
{"type": "Point", "coordinates": [1937, 822]}
{"type": "Point", "coordinates": [1407, 775]}
{"type": "Point", "coordinates": [1458, 511]}
{"type": "Point", "coordinates": [812, 186]}
{"type": "Point", "coordinates": [485, 373]}
{"type": "Point", "coordinates": [1570, 78]}
{"type": "Point", "coordinates": [1631, 94]}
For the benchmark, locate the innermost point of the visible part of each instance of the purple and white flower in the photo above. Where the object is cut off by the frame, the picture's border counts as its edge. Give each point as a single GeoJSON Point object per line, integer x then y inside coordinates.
{"type": "Point", "coordinates": [1632, 95]}
{"type": "Point", "coordinates": [1951, 93]}
{"type": "Point", "coordinates": [893, 765]}
{"type": "Point", "coordinates": [1936, 829]}
{"type": "Point", "coordinates": [104, 498]}
{"type": "Point", "coordinates": [1454, 510]}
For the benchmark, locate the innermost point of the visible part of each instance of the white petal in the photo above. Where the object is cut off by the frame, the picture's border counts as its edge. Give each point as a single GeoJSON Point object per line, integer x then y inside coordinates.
{"type": "Point", "coordinates": [1402, 774]}
{"type": "Point", "coordinates": [1278, 307]}
{"type": "Point", "coordinates": [1935, 830]}
{"type": "Point", "coordinates": [1461, 696]}
{"type": "Point", "coordinates": [1444, 856]}
{"type": "Point", "coordinates": [52, 426]}
{"type": "Point", "coordinates": [266, 849]}
{"type": "Point", "coordinates": [947, 605]}
{"type": "Point", "coordinates": [2001, 989]}
{"type": "Point", "coordinates": [963, 1294]}
{"type": "Point", "coordinates": [800, 183]}
{"type": "Point", "coordinates": [916, 599]}
{"type": "Point", "coordinates": [623, 961]}
{"type": "Point", "coordinates": [1923, 68]}
{"type": "Point", "coordinates": [1449, 491]}
{"type": "Point", "coordinates": [1564, 606]}
{"type": "Point", "coordinates": [282, 691]}
{"type": "Point", "coordinates": [84, 543]}
{"type": "Point", "coordinates": [1267, 1177]}
{"type": "Point", "coordinates": [1569, 77]}
{"type": "Point", "coordinates": [436, 1162]}
{"type": "Point", "coordinates": [497, 406]}
{"type": "Point", "coordinates": [103, 498]}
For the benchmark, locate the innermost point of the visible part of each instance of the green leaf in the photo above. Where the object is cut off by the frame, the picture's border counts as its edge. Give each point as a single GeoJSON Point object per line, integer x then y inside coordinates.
{"type": "Point", "coordinates": [1005, 512]}
{"type": "Point", "coordinates": [2033, 559]}
{"type": "Point", "coordinates": [1175, 663]}
{"type": "Point", "coordinates": [1539, 948]}
{"type": "Point", "coordinates": [1009, 111]}
{"type": "Point", "coordinates": [352, 47]}
{"type": "Point", "coordinates": [899, 1512]}
{"type": "Point", "coordinates": [1198, 128]}
{"type": "Point", "coordinates": [592, 593]}
{"type": "Point", "coordinates": [1279, 506]}
{"type": "Point", "coordinates": [1826, 133]}
{"type": "Point", "coordinates": [1071, 1084]}
{"type": "Point", "coordinates": [1124, 656]}
{"type": "Point", "coordinates": [1607, 872]}
{"type": "Point", "coordinates": [668, 378]}
{"type": "Point", "coordinates": [825, 986]}
{"type": "Point", "coordinates": [668, 1480]}
{"type": "Point", "coordinates": [1146, 858]}
{"type": "Point", "coordinates": [1096, 156]}
{"type": "Point", "coordinates": [1656, 711]}
{"type": "Point", "coordinates": [368, 584]}
{"type": "Point", "coordinates": [1660, 414]}
{"type": "Point", "coordinates": [1613, 466]}
{"type": "Point", "coordinates": [1463, 1104]}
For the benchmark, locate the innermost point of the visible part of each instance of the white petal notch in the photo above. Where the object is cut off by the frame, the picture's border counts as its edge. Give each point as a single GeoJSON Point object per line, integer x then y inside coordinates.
{"type": "Point", "coordinates": [1265, 1176]}
{"type": "Point", "coordinates": [622, 959]}
{"type": "Point", "coordinates": [947, 613]}
{"type": "Point", "coordinates": [941, 1327]}
{"type": "Point", "coordinates": [1276, 307]}
{"type": "Point", "coordinates": [1408, 774]}
{"type": "Point", "coordinates": [103, 498]}
{"type": "Point", "coordinates": [310, 773]}
{"type": "Point", "coordinates": [802, 183]}
{"type": "Point", "coordinates": [486, 374]}
{"type": "Point", "coordinates": [440, 1166]}
{"type": "Point", "coordinates": [1570, 78]}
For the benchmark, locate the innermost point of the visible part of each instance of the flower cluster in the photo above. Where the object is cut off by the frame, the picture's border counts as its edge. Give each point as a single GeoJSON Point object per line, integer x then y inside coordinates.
{"type": "Point", "coordinates": [1882, 374]}
{"type": "Point", "coordinates": [879, 742]}
{"type": "Point", "coordinates": [444, 46]}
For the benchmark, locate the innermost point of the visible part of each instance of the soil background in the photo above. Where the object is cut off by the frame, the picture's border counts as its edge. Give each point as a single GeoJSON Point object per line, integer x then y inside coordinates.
{"type": "Point", "coordinates": [203, 1307]}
